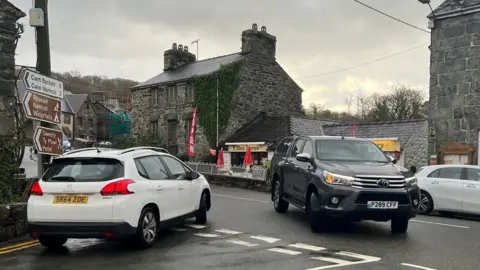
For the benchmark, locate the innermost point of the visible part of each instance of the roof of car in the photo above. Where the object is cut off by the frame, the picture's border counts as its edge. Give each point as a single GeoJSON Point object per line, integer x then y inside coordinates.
{"type": "Point", "coordinates": [107, 152]}
{"type": "Point", "coordinates": [337, 138]}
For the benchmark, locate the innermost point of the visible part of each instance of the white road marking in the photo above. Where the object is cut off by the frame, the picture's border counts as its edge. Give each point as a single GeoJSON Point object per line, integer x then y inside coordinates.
{"type": "Point", "coordinates": [441, 224]}
{"type": "Point", "coordinates": [265, 238]}
{"type": "Point", "coordinates": [178, 229]}
{"type": "Point", "coordinates": [227, 231]}
{"type": "Point", "coordinates": [208, 235]}
{"type": "Point", "coordinates": [417, 266]}
{"type": "Point", "coordinates": [195, 226]}
{"type": "Point", "coordinates": [285, 251]}
{"type": "Point", "coordinates": [239, 198]}
{"type": "Point", "coordinates": [242, 243]}
{"type": "Point", "coordinates": [339, 262]}
{"type": "Point", "coordinates": [307, 247]}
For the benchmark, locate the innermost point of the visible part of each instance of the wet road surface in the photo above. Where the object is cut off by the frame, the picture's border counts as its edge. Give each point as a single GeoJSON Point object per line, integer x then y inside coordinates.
{"type": "Point", "coordinates": [244, 232]}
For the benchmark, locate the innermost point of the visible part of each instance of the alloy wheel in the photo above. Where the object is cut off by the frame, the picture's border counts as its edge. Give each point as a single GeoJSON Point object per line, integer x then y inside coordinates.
{"type": "Point", "coordinates": [149, 226]}
{"type": "Point", "coordinates": [276, 195]}
{"type": "Point", "coordinates": [424, 202]}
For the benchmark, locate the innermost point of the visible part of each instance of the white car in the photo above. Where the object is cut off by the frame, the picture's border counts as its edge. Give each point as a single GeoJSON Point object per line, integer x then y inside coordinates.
{"type": "Point", "coordinates": [449, 189]}
{"type": "Point", "coordinates": [116, 194]}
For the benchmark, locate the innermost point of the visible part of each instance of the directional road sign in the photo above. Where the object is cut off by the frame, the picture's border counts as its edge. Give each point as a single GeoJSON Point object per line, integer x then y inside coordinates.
{"type": "Point", "coordinates": [42, 108]}
{"type": "Point", "coordinates": [42, 84]}
{"type": "Point", "coordinates": [48, 141]}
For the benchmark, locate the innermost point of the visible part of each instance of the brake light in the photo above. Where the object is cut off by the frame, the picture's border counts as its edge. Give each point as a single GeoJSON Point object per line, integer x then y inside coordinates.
{"type": "Point", "coordinates": [36, 190]}
{"type": "Point", "coordinates": [117, 188]}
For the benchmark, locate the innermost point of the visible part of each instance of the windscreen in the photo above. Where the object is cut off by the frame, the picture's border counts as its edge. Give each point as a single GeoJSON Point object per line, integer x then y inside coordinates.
{"type": "Point", "coordinates": [349, 150]}
{"type": "Point", "coordinates": [84, 170]}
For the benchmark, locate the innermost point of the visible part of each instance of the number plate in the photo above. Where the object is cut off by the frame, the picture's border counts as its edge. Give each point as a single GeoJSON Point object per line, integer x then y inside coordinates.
{"type": "Point", "coordinates": [70, 199]}
{"type": "Point", "coordinates": [382, 205]}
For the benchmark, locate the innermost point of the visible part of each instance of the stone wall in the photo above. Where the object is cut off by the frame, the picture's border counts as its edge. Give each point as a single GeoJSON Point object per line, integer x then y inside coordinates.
{"type": "Point", "coordinates": [86, 112]}
{"type": "Point", "coordinates": [416, 151]}
{"type": "Point", "coordinates": [13, 220]}
{"type": "Point", "coordinates": [454, 109]}
{"type": "Point", "coordinates": [238, 182]}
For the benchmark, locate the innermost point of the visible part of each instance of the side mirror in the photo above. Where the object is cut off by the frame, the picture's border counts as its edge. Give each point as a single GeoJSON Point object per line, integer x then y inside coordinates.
{"type": "Point", "coordinates": [413, 169]}
{"type": "Point", "coordinates": [192, 175]}
{"type": "Point", "coordinates": [304, 157]}
{"type": "Point", "coordinates": [392, 159]}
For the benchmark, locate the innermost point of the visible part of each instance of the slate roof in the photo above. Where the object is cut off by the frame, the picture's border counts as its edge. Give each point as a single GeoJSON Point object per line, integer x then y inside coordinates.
{"type": "Point", "coordinates": [21, 94]}
{"type": "Point", "coordinates": [403, 130]}
{"type": "Point", "coordinates": [453, 6]}
{"type": "Point", "coordinates": [201, 67]}
{"type": "Point", "coordinates": [266, 128]}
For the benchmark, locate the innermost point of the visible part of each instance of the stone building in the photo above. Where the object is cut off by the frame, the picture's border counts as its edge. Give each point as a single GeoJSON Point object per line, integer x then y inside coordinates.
{"type": "Point", "coordinates": [84, 120]}
{"type": "Point", "coordinates": [163, 104]}
{"type": "Point", "coordinates": [454, 106]}
{"type": "Point", "coordinates": [406, 140]}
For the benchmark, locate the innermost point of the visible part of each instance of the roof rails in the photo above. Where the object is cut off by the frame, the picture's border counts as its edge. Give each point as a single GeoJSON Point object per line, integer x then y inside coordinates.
{"type": "Point", "coordinates": [86, 149]}
{"type": "Point", "coordinates": [156, 149]}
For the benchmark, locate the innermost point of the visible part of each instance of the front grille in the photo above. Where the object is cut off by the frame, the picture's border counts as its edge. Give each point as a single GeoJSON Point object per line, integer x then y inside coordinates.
{"type": "Point", "coordinates": [365, 197]}
{"type": "Point", "coordinates": [394, 182]}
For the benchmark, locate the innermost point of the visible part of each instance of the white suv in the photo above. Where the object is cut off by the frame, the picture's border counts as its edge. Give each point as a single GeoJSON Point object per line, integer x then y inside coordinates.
{"type": "Point", "coordinates": [115, 194]}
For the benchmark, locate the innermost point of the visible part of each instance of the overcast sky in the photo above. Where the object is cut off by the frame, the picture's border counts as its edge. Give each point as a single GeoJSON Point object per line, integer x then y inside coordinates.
{"type": "Point", "coordinates": [126, 38]}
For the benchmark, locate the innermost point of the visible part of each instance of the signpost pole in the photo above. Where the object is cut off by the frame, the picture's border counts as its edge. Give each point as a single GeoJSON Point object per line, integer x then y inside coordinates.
{"type": "Point", "coordinates": [44, 67]}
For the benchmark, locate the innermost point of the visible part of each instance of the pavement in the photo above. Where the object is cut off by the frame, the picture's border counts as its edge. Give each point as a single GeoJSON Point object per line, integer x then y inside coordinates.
{"type": "Point", "coordinates": [244, 232]}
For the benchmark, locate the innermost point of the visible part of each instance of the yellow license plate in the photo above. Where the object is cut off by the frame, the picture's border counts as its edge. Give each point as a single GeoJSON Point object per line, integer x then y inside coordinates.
{"type": "Point", "coordinates": [70, 199]}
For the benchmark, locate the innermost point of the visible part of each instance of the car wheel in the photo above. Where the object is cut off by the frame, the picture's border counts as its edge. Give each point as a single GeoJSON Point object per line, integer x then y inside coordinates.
{"type": "Point", "coordinates": [399, 224]}
{"type": "Point", "coordinates": [147, 228]}
{"type": "Point", "coordinates": [201, 217]}
{"type": "Point", "coordinates": [318, 220]}
{"type": "Point", "coordinates": [52, 242]}
{"type": "Point", "coordinates": [280, 205]}
{"type": "Point", "coordinates": [425, 204]}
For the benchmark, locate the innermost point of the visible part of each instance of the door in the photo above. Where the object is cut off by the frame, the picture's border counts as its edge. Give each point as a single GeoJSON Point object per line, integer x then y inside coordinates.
{"type": "Point", "coordinates": [471, 191]}
{"type": "Point", "coordinates": [305, 169]}
{"type": "Point", "coordinates": [292, 170]}
{"type": "Point", "coordinates": [446, 187]}
{"type": "Point", "coordinates": [151, 168]}
{"type": "Point", "coordinates": [187, 192]}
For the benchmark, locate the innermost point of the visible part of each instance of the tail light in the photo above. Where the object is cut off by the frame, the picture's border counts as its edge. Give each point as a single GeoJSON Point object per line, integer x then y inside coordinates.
{"type": "Point", "coordinates": [117, 188]}
{"type": "Point", "coordinates": [36, 190]}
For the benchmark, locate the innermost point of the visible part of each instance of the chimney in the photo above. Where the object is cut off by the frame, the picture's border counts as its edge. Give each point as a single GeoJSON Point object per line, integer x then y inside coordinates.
{"type": "Point", "coordinates": [176, 57]}
{"type": "Point", "coordinates": [258, 42]}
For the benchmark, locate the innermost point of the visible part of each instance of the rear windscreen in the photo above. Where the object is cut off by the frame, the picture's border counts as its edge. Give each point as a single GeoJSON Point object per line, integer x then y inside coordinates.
{"type": "Point", "coordinates": [84, 170]}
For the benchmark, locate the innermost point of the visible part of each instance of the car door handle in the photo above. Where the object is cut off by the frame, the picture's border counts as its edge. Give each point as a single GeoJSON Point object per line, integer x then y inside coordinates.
{"type": "Point", "coordinates": [296, 166]}
{"type": "Point", "coordinates": [471, 186]}
{"type": "Point", "coordinates": [159, 188]}
{"type": "Point", "coordinates": [434, 182]}
{"type": "Point", "coordinates": [181, 187]}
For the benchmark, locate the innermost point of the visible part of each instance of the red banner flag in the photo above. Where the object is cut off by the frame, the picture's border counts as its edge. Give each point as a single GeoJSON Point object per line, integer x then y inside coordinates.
{"type": "Point", "coordinates": [191, 139]}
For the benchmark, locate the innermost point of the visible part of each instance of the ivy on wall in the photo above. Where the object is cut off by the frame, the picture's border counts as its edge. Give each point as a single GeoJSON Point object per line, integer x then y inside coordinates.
{"type": "Point", "coordinates": [206, 98]}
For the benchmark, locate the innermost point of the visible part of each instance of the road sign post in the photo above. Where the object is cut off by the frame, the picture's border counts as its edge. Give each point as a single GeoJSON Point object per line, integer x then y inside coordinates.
{"type": "Point", "coordinates": [48, 141]}
{"type": "Point", "coordinates": [42, 84]}
{"type": "Point", "coordinates": [42, 108]}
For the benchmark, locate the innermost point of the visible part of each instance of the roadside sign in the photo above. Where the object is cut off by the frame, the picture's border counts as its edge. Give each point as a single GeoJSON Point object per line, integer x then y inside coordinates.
{"type": "Point", "coordinates": [48, 141]}
{"type": "Point", "coordinates": [42, 84]}
{"type": "Point", "coordinates": [42, 108]}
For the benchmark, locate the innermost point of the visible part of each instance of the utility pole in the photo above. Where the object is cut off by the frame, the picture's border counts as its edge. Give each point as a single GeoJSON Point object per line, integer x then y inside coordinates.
{"type": "Point", "coordinates": [196, 42]}
{"type": "Point", "coordinates": [43, 67]}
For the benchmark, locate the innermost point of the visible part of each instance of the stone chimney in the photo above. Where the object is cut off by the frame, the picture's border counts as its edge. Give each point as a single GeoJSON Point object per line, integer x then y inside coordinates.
{"type": "Point", "coordinates": [176, 57]}
{"type": "Point", "coordinates": [259, 42]}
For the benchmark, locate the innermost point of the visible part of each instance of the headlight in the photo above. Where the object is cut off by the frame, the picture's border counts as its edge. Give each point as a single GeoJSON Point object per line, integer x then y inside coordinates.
{"type": "Point", "coordinates": [337, 179]}
{"type": "Point", "coordinates": [411, 181]}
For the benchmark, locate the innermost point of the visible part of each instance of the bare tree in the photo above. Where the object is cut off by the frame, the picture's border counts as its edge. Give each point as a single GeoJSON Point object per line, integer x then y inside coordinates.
{"type": "Point", "coordinates": [402, 103]}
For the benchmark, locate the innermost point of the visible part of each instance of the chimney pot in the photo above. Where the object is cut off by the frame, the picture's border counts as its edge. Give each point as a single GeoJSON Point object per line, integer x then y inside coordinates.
{"type": "Point", "coordinates": [174, 46]}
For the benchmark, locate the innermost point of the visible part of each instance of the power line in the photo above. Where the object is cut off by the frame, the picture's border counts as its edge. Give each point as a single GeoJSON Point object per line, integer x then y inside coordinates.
{"type": "Point", "coordinates": [362, 64]}
{"type": "Point", "coordinates": [391, 17]}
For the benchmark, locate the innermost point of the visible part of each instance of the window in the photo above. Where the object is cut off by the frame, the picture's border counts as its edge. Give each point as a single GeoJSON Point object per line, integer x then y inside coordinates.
{"type": "Point", "coordinates": [434, 174]}
{"type": "Point", "coordinates": [282, 148]}
{"type": "Point", "coordinates": [90, 122]}
{"type": "Point", "coordinates": [67, 119]}
{"type": "Point", "coordinates": [153, 167]}
{"type": "Point", "coordinates": [349, 150]}
{"type": "Point", "coordinates": [88, 106]}
{"type": "Point", "coordinates": [154, 128]}
{"type": "Point", "coordinates": [189, 94]}
{"type": "Point", "coordinates": [308, 148]}
{"type": "Point", "coordinates": [84, 170]}
{"type": "Point", "coordinates": [172, 132]}
{"type": "Point", "coordinates": [176, 168]}
{"type": "Point", "coordinates": [297, 147]}
{"type": "Point", "coordinates": [172, 94]}
{"type": "Point", "coordinates": [188, 126]}
{"type": "Point", "coordinates": [80, 121]}
{"type": "Point", "coordinates": [473, 174]}
{"type": "Point", "coordinates": [450, 173]}
{"type": "Point", "coordinates": [155, 95]}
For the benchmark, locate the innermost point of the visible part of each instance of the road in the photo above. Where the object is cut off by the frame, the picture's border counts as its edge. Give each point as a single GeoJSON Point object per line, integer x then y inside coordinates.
{"type": "Point", "coordinates": [244, 232]}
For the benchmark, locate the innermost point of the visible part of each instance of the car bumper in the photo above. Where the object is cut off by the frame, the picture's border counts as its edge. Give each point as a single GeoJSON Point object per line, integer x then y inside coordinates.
{"type": "Point", "coordinates": [82, 230]}
{"type": "Point", "coordinates": [353, 203]}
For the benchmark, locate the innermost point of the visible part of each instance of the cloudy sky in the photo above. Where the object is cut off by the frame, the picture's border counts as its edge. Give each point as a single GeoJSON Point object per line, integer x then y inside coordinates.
{"type": "Point", "coordinates": [126, 38]}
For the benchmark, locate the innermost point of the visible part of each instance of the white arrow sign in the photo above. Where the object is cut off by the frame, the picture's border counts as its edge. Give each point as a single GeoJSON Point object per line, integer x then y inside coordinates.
{"type": "Point", "coordinates": [42, 84]}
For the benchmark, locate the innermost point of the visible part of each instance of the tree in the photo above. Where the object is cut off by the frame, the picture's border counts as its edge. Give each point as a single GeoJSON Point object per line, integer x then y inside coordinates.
{"type": "Point", "coordinates": [402, 103]}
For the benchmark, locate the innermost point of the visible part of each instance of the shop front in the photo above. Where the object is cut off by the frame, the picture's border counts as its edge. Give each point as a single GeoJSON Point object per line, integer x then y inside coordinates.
{"type": "Point", "coordinates": [390, 146]}
{"type": "Point", "coordinates": [236, 152]}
